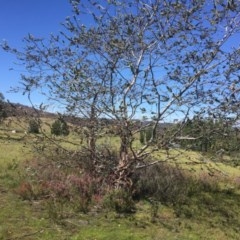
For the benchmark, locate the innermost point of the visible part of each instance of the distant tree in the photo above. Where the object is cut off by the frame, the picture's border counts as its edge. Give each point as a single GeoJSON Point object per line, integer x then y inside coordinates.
{"type": "Point", "coordinates": [60, 127]}
{"type": "Point", "coordinates": [3, 113]}
{"type": "Point", "coordinates": [56, 128]}
{"type": "Point", "coordinates": [33, 126]}
{"type": "Point", "coordinates": [156, 59]}
{"type": "Point", "coordinates": [142, 137]}
{"type": "Point", "coordinates": [64, 128]}
{"type": "Point", "coordinates": [148, 133]}
{"type": "Point", "coordinates": [211, 134]}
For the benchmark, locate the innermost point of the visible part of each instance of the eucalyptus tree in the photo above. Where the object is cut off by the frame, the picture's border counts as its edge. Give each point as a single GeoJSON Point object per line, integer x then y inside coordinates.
{"type": "Point", "coordinates": [154, 60]}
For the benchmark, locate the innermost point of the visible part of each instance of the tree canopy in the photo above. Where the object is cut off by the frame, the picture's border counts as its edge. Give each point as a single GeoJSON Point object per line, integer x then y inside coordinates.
{"type": "Point", "coordinates": [148, 60]}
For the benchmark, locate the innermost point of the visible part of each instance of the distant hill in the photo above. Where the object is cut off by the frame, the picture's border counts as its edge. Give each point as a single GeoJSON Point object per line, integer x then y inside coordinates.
{"type": "Point", "coordinates": [20, 110]}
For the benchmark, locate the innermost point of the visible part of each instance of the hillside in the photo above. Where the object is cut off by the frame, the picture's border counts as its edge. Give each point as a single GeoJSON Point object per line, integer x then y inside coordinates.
{"type": "Point", "coordinates": [20, 110]}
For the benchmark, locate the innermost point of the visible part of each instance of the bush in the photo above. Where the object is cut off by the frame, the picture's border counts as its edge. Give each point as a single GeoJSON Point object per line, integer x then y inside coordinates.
{"type": "Point", "coordinates": [56, 128]}
{"type": "Point", "coordinates": [60, 127]}
{"type": "Point", "coordinates": [162, 183]}
{"type": "Point", "coordinates": [63, 186]}
{"type": "Point", "coordinates": [33, 126]}
{"type": "Point", "coordinates": [25, 191]}
{"type": "Point", "coordinates": [120, 201]}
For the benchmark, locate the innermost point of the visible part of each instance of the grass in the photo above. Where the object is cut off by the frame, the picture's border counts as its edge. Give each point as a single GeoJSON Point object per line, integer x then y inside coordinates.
{"type": "Point", "coordinates": [198, 164]}
{"type": "Point", "coordinates": [25, 220]}
{"type": "Point", "coordinates": [166, 225]}
{"type": "Point", "coordinates": [14, 151]}
{"type": "Point", "coordinates": [207, 213]}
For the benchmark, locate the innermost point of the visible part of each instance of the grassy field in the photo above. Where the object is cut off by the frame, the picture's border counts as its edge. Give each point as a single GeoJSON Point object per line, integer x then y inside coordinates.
{"type": "Point", "coordinates": [207, 213]}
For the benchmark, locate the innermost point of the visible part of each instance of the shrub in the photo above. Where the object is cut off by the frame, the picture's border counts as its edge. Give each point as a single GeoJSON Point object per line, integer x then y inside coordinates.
{"type": "Point", "coordinates": [60, 127]}
{"type": "Point", "coordinates": [64, 128]}
{"type": "Point", "coordinates": [56, 128]}
{"type": "Point", "coordinates": [120, 201]}
{"type": "Point", "coordinates": [25, 191]}
{"type": "Point", "coordinates": [62, 186]}
{"type": "Point", "coordinates": [33, 126]}
{"type": "Point", "coordinates": [78, 191]}
{"type": "Point", "coordinates": [162, 183]}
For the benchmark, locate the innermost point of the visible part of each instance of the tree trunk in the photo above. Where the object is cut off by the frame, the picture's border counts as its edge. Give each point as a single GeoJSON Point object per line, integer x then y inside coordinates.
{"type": "Point", "coordinates": [92, 139]}
{"type": "Point", "coordinates": [122, 175]}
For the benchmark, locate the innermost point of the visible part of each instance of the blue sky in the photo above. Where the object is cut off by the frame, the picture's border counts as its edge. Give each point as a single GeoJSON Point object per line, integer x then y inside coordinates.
{"type": "Point", "coordinates": [17, 19]}
{"type": "Point", "coordinates": [40, 18]}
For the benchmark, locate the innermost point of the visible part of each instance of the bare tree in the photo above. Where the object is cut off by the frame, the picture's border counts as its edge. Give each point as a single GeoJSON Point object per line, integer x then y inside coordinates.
{"type": "Point", "coordinates": [154, 60]}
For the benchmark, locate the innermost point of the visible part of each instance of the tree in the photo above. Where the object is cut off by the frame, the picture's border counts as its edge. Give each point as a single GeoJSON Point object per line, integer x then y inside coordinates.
{"type": "Point", "coordinates": [142, 137]}
{"type": "Point", "coordinates": [60, 127]}
{"type": "Point", "coordinates": [33, 126]}
{"type": "Point", "coordinates": [154, 59]}
{"type": "Point", "coordinates": [64, 128]}
{"type": "Point", "coordinates": [146, 135]}
{"type": "Point", "coordinates": [3, 113]}
{"type": "Point", "coordinates": [210, 134]}
{"type": "Point", "coordinates": [56, 128]}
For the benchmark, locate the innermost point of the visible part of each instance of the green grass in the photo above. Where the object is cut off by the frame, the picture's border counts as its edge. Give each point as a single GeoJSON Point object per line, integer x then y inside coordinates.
{"type": "Point", "coordinates": [206, 214]}
{"type": "Point", "coordinates": [25, 220]}
{"type": "Point", "coordinates": [13, 151]}
{"type": "Point", "coordinates": [29, 220]}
